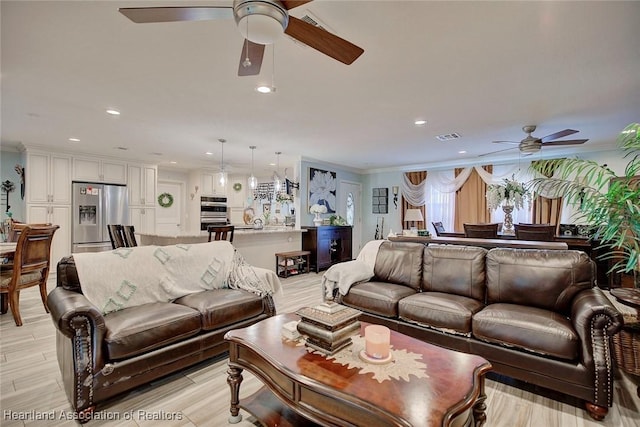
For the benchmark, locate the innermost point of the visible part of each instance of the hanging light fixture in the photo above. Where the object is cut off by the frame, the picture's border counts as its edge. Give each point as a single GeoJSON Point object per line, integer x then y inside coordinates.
{"type": "Point", "coordinates": [222, 175]}
{"type": "Point", "coordinates": [253, 181]}
{"type": "Point", "coordinates": [277, 182]}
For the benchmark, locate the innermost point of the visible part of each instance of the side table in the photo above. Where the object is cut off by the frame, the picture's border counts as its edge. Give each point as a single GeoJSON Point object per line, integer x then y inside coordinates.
{"type": "Point", "coordinates": [626, 343]}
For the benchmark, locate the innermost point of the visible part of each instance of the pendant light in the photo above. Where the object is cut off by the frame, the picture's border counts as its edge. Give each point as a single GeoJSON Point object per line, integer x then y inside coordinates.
{"type": "Point", "coordinates": [222, 175]}
{"type": "Point", "coordinates": [253, 181]}
{"type": "Point", "coordinates": [277, 182]}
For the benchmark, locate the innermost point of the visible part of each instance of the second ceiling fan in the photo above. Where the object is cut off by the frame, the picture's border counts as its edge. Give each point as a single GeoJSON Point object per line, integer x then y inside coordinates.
{"type": "Point", "coordinates": [260, 22]}
{"type": "Point", "coordinates": [531, 144]}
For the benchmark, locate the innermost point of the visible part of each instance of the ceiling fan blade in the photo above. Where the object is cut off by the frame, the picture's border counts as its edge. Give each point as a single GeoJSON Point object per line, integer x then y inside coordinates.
{"type": "Point", "coordinates": [290, 4]}
{"type": "Point", "coordinates": [499, 151]}
{"type": "Point", "coordinates": [557, 135]}
{"type": "Point", "coordinates": [143, 15]}
{"type": "Point", "coordinates": [506, 142]}
{"type": "Point", "coordinates": [255, 55]}
{"type": "Point", "coordinates": [567, 142]}
{"type": "Point", "coordinates": [323, 41]}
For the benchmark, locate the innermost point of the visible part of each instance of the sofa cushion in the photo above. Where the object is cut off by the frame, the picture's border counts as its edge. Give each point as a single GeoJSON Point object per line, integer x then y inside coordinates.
{"type": "Point", "coordinates": [534, 329]}
{"type": "Point", "coordinates": [446, 312]}
{"type": "Point", "coordinates": [452, 269]}
{"type": "Point", "coordinates": [546, 279]}
{"type": "Point", "coordinates": [139, 329]}
{"type": "Point", "coordinates": [400, 263]}
{"type": "Point", "coordinates": [222, 307]}
{"type": "Point", "coordinates": [377, 297]}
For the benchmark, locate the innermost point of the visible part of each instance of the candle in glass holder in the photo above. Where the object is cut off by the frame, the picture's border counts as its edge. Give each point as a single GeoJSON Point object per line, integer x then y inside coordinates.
{"type": "Point", "coordinates": [377, 340]}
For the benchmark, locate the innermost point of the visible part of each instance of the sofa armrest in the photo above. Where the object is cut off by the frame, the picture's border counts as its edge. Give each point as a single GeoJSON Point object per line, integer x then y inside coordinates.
{"type": "Point", "coordinates": [80, 334]}
{"type": "Point", "coordinates": [66, 305]}
{"type": "Point", "coordinates": [596, 320]}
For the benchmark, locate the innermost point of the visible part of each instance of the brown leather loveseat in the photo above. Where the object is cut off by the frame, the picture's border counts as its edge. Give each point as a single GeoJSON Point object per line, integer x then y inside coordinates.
{"type": "Point", "coordinates": [101, 355]}
{"type": "Point", "coordinates": [536, 315]}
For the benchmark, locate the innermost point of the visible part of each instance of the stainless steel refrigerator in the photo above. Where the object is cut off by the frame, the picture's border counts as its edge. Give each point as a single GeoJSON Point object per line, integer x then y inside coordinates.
{"type": "Point", "coordinates": [94, 206]}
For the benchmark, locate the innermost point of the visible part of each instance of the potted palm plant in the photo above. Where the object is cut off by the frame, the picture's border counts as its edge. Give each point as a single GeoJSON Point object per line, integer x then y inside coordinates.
{"type": "Point", "coordinates": [608, 202]}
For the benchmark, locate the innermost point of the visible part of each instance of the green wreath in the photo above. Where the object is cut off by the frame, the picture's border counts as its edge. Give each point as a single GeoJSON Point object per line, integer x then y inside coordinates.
{"type": "Point", "coordinates": [237, 186]}
{"type": "Point", "coordinates": [165, 200]}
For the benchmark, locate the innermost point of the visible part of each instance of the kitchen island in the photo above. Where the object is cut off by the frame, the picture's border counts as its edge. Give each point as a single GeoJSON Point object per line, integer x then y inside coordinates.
{"type": "Point", "coordinates": [258, 247]}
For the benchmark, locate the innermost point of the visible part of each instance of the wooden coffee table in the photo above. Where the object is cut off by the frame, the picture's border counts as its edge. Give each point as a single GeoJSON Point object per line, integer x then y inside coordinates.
{"type": "Point", "coordinates": [303, 388]}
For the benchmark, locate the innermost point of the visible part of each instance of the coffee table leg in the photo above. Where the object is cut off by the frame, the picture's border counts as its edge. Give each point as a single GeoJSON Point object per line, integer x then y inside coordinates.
{"type": "Point", "coordinates": [479, 408]}
{"type": "Point", "coordinates": [234, 379]}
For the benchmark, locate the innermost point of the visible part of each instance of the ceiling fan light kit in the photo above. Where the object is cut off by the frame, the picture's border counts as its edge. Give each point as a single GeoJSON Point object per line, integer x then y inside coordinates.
{"type": "Point", "coordinates": [259, 21]}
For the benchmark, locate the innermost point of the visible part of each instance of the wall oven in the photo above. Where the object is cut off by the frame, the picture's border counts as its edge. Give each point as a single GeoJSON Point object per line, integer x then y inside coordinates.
{"type": "Point", "coordinates": [213, 211]}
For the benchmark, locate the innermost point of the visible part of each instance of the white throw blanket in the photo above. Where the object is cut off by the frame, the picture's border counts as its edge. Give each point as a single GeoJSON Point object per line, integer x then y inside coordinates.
{"type": "Point", "coordinates": [127, 277]}
{"type": "Point", "coordinates": [346, 274]}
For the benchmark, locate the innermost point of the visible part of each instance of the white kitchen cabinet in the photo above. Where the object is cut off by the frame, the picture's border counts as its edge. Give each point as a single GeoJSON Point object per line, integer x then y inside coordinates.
{"type": "Point", "coordinates": [47, 178]}
{"type": "Point", "coordinates": [208, 180]}
{"type": "Point", "coordinates": [143, 219]}
{"type": "Point", "coordinates": [237, 198]}
{"type": "Point", "coordinates": [48, 197]}
{"type": "Point", "coordinates": [57, 215]}
{"type": "Point", "coordinates": [210, 185]}
{"type": "Point", "coordinates": [142, 185]}
{"type": "Point", "coordinates": [95, 169]}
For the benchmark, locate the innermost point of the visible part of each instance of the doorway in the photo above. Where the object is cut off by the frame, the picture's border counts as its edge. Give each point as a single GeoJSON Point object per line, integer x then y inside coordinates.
{"type": "Point", "coordinates": [350, 208]}
{"type": "Point", "coordinates": [169, 218]}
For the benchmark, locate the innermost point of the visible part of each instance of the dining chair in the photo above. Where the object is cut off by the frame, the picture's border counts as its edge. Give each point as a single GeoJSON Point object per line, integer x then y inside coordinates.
{"type": "Point", "coordinates": [221, 232]}
{"type": "Point", "coordinates": [116, 236]}
{"type": "Point", "coordinates": [30, 267]}
{"type": "Point", "coordinates": [129, 236]}
{"type": "Point", "coordinates": [17, 227]}
{"type": "Point", "coordinates": [484, 231]}
{"type": "Point", "coordinates": [538, 232]}
{"type": "Point", "coordinates": [438, 227]}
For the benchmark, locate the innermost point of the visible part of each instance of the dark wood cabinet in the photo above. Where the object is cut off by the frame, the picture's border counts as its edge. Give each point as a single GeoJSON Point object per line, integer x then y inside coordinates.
{"type": "Point", "coordinates": [328, 245]}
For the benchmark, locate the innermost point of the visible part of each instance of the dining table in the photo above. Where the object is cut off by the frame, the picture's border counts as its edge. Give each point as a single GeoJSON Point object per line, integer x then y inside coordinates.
{"type": "Point", "coordinates": [7, 248]}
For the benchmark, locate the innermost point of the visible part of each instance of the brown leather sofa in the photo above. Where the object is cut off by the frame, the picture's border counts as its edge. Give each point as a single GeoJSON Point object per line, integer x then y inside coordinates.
{"type": "Point", "coordinates": [536, 315]}
{"type": "Point", "coordinates": [101, 356]}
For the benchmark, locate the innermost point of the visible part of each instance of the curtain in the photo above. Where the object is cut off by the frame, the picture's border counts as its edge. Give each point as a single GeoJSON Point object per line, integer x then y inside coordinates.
{"type": "Point", "coordinates": [547, 208]}
{"type": "Point", "coordinates": [471, 201]}
{"type": "Point", "coordinates": [441, 205]}
{"type": "Point", "coordinates": [414, 196]}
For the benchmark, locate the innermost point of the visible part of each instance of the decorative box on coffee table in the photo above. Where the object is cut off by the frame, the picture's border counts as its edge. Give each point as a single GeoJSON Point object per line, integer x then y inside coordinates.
{"type": "Point", "coordinates": [328, 327]}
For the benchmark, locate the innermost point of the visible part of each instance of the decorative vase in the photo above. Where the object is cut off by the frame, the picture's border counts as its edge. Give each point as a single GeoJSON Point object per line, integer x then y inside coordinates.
{"type": "Point", "coordinates": [317, 221]}
{"type": "Point", "coordinates": [507, 227]}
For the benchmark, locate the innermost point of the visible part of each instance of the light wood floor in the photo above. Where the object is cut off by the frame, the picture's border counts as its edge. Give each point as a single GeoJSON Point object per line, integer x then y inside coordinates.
{"type": "Point", "coordinates": [31, 383]}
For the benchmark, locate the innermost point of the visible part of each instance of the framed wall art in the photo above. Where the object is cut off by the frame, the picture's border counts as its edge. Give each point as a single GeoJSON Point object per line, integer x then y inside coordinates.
{"type": "Point", "coordinates": [322, 189]}
{"type": "Point", "coordinates": [380, 201]}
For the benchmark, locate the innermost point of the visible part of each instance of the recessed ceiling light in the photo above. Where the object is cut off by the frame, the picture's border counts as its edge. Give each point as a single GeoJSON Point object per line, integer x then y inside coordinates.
{"type": "Point", "coordinates": [420, 122]}
{"type": "Point", "coordinates": [209, 153]}
{"type": "Point", "coordinates": [74, 140]}
{"type": "Point", "coordinates": [173, 162]}
{"type": "Point", "coordinates": [113, 112]}
{"type": "Point", "coordinates": [266, 89]}
{"type": "Point", "coordinates": [462, 152]}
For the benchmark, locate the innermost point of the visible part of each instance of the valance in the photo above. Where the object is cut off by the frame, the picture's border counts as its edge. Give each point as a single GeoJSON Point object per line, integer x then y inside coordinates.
{"type": "Point", "coordinates": [414, 194]}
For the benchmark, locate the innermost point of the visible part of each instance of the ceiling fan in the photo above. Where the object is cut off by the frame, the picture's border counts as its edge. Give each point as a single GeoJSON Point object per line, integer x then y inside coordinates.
{"type": "Point", "coordinates": [260, 22]}
{"type": "Point", "coordinates": [531, 144]}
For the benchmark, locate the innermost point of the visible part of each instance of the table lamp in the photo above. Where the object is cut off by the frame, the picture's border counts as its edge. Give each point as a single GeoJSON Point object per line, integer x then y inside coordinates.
{"type": "Point", "coordinates": [413, 215]}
